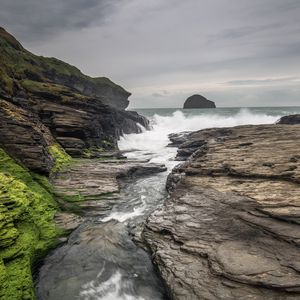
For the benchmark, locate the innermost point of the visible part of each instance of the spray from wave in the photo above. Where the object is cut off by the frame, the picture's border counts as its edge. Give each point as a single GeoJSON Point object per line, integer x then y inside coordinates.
{"type": "Point", "coordinates": [152, 144]}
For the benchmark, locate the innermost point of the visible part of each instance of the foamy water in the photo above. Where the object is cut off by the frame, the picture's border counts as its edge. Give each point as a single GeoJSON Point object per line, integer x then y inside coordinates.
{"type": "Point", "coordinates": [111, 289]}
{"type": "Point", "coordinates": [152, 144]}
{"type": "Point", "coordinates": [146, 194]}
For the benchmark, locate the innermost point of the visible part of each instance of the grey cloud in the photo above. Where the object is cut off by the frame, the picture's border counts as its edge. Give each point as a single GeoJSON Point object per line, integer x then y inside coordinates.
{"type": "Point", "coordinates": [38, 19]}
{"type": "Point", "coordinates": [283, 80]}
{"type": "Point", "coordinates": [160, 94]}
{"type": "Point", "coordinates": [180, 47]}
{"type": "Point", "coordinates": [243, 32]}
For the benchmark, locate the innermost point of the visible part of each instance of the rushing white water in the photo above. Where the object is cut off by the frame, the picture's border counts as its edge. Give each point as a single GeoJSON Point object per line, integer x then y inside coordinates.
{"type": "Point", "coordinates": [122, 216]}
{"type": "Point", "coordinates": [111, 289]}
{"type": "Point", "coordinates": [152, 144]}
{"type": "Point", "coordinates": [144, 195]}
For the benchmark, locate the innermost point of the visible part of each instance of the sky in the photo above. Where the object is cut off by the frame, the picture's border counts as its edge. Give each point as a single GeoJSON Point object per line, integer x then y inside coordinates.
{"type": "Point", "coordinates": [234, 52]}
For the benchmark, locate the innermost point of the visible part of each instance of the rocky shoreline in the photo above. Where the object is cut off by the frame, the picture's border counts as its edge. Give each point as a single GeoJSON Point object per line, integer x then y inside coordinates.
{"type": "Point", "coordinates": [92, 188]}
{"type": "Point", "coordinates": [51, 113]}
{"type": "Point", "coordinates": [230, 228]}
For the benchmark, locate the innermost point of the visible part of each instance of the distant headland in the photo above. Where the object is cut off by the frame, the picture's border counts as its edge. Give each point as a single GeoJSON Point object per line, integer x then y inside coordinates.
{"type": "Point", "coordinates": [198, 101]}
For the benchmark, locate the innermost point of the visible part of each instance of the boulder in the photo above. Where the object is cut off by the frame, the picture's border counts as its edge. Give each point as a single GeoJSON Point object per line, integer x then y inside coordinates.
{"type": "Point", "coordinates": [198, 101]}
{"type": "Point", "coordinates": [290, 120]}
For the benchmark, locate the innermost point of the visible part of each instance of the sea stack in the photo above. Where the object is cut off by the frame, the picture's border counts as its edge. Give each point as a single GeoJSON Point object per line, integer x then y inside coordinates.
{"type": "Point", "coordinates": [198, 101]}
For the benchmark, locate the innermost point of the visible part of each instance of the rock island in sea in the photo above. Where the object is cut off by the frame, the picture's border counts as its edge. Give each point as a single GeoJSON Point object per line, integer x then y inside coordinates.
{"type": "Point", "coordinates": [198, 101]}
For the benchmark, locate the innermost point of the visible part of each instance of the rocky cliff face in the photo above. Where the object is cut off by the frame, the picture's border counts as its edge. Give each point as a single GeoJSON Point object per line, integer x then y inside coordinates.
{"type": "Point", "coordinates": [45, 101]}
{"type": "Point", "coordinates": [49, 110]}
{"type": "Point", "coordinates": [198, 101]}
{"type": "Point", "coordinates": [230, 229]}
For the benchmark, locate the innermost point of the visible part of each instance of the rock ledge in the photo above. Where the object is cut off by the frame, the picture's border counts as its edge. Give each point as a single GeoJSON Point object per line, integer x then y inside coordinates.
{"type": "Point", "coordinates": [230, 229]}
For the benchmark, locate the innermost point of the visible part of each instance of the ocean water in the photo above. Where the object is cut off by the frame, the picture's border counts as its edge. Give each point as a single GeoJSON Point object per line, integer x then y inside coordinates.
{"type": "Point", "coordinates": [152, 144]}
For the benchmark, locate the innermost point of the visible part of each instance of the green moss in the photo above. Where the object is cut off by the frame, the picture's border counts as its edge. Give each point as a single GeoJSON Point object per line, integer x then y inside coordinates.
{"type": "Point", "coordinates": [11, 110]}
{"type": "Point", "coordinates": [62, 159]}
{"type": "Point", "coordinates": [60, 91]}
{"type": "Point", "coordinates": [87, 153]}
{"type": "Point", "coordinates": [27, 228]}
{"type": "Point", "coordinates": [76, 197]}
{"type": "Point", "coordinates": [6, 82]}
{"type": "Point", "coordinates": [43, 74]}
{"type": "Point", "coordinates": [107, 82]}
{"type": "Point", "coordinates": [92, 152]}
{"type": "Point", "coordinates": [107, 144]}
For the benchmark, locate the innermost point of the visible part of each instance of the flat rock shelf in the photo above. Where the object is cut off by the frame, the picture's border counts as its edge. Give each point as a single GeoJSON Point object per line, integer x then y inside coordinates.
{"type": "Point", "coordinates": [230, 229]}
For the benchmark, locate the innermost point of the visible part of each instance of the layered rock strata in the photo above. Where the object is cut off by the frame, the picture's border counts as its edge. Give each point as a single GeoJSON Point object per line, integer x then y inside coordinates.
{"type": "Point", "coordinates": [91, 186]}
{"type": "Point", "coordinates": [49, 110]}
{"type": "Point", "coordinates": [44, 101]}
{"type": "Point", "coordinates": [230, 228]}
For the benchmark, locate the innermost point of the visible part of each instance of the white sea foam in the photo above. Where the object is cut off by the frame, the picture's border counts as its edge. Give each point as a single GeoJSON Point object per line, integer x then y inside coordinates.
{"type": "Point", "coordinates": [153, 143]}
{"type": "Point", "coordinates": [110, 289]}
{"type": "Point", "coordinates": [124, 216]}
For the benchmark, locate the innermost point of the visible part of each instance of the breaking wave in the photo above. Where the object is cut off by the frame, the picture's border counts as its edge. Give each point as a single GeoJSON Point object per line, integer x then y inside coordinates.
{"type": "Point", "coordinates": [154, 142]}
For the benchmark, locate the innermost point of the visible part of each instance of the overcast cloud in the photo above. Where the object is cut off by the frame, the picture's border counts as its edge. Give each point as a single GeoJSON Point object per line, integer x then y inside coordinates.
{"type": "Point", "coordinates": [235, 52]}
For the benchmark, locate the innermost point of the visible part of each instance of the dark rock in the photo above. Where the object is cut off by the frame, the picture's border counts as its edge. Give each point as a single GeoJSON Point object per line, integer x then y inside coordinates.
{"type": "Point", "coordinates": [198, 101]}
{"type": "Point", "coordinates": [93, 254]}
{"type": "Point", "coordinates": [194, 141]}
{"type": "Point", "coordinates": [25, 138]}
{"type": "Point", "coordinates": [230, 228]}
{"type": "Point", "coordinates": [178, 138]}
{"type": "Point", "coordinates": [55, 103]}
{"type": "Point", "coordinates": [290, 120]}
{"type": "Point", "coordinates": [94, 245]}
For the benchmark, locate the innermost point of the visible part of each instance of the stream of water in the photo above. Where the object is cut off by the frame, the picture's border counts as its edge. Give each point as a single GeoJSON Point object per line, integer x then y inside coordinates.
{"type": "Point", "coordinates": [115, 268]}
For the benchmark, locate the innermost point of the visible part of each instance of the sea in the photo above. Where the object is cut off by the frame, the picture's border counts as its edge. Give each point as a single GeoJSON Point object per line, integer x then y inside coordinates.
{"type": "Point", "coordinates": [152, 144]}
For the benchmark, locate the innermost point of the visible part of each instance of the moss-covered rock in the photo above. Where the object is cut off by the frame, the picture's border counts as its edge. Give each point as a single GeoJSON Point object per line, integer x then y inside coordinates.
{"type": "Point", "coordinates": [61, 158]}
{"type": "Point", "coordinates": [27, 228]}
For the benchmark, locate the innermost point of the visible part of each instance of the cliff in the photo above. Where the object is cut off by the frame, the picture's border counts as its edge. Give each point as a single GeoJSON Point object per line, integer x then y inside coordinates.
{"type": "Point", "coordinates": [49, 111]}
{"type": "Point", "coordinates": [44, 102]}
{"type": "Point", "coordinates": [230, 228]}
{"type": "Point", "coordinates": [17, 64]}
{"type": "Point", "coordinates": [198, 101]}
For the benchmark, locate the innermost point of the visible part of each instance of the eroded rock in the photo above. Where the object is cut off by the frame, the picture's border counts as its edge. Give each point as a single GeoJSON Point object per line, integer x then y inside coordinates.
{"type": "Point", "coordinates": [290, 120]}
{"type": "Point", "coordinates": [230, 229]}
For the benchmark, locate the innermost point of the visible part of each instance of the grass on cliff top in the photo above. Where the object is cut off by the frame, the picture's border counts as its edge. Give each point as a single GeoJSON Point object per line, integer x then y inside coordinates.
{"type": "Point", "coordinates": [17, 64]}
{"type": "Point", "coordinates": [27, 229]}
{"type": "Point", "coordinates": [54, 90]}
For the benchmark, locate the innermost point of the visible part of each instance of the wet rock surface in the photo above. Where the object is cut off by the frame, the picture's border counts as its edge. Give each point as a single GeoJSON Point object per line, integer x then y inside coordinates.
{"type": "Point", "coordinates": [291, 120]}
{"type": "Point", "coordinates": [98, 259]}
{"type": "Point", "coordinates": [178, 138]}
{"type": "Point", "coordinates": [88, 182]}
{"type": "Point", "coordinates": [230, 228]}
{"type": "Point", "coordinates": [95, 254]}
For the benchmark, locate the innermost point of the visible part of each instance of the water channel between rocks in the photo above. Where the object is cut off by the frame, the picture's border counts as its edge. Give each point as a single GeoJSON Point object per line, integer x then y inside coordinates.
{"type": "Point", "coordinates": [100, 260]}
